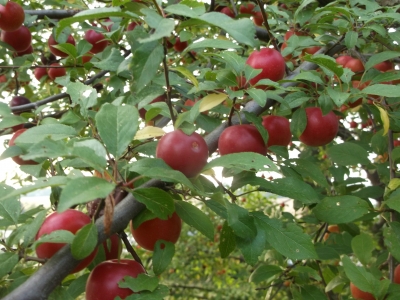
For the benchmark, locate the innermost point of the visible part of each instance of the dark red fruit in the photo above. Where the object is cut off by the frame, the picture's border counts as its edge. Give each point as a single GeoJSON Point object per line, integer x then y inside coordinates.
{"type": "Point", "coordinates": [12, 16]}
{"type": "Point", "coordinates": [104, 278]}
{"type": "Point", "coordinates": [71, 220]}
{"type": "Point", "coordinates": [228, 11]}
{"type": "Point", "coordinates": [270, 61]}
{"type": "Point", "coordinates": [278, 130]}
{"type": "Point", "coordinates": [39, 73]}
{"type": "Point", "coordinates": [185, 153]}
{"type": "Point", "coordinates": [149, 232]}
{"type": "Point", "coordinates": [52, 42]}
{"type": "Point", "coordinates": [241, 138]}
{"type": "Point", "coordinates": [180, 46]}
{"type": "Point", "coordinates": [18, 159]}
{"type": "Point", "coordinates": [97, 40]}
{"type": "Point", "coordinates": [54, 71]}
{"type": "Point", "coordinates": [19, 39]}
{"type": "Point", "coordinates": [320, 129]}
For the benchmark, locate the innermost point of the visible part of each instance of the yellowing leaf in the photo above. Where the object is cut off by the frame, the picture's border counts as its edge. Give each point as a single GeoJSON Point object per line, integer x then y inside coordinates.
{"type": "Point", "coordinates": [384, 118]}
{"type": "Point", "coordinates": [394, 184]}
{"type": "Point", "coordinates": [149, 132]}
{"type": "Point", "coordinates": [212, 100]}
{"type": "Point", "coordinates": [189, 75]}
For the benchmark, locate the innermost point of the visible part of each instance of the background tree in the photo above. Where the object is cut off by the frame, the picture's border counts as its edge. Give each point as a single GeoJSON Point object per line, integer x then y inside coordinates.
{"type": "Point", "coordinates": [118, 108]}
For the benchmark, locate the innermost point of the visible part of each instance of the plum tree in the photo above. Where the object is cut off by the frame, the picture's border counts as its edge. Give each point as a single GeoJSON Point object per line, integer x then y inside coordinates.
{"type": "Point", "coordinates": [252, 223]}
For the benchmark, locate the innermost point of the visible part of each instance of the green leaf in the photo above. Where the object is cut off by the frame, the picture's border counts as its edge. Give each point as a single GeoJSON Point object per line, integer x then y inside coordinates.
{"type": "Point", "coordinates": [7, 262]}
{"type": "Point", "coordinates": [241, 30]}
{"type": "Point", "coordinates": [392, 238]}
{"type": "Point", "coordinates": [308, 169]}
{"type": "Point", "coordinates": [83, 190]}
{"type": "Point", "coordinates": [350, 39]}
{"type": "Point", "coordinates": [312, 292]}
{"type": "Point", "coordinates": [227, 241]}
{"type": "Point", "coordinates": [299, 122]}
{"type": "Point", "coordinates": [9, 121]}
{"type": "Point", "coordinates": [5, 109]}
{"type": "Point", "coordinates": [82, 95]}
{"type": "Point", "coordinates": [57, 236]}
{"type": "Point", "coordinates": [184, 10]}
{"type": "Point", "coordinates": [359, 276]}
{"type": "Point", "coordinates": [245, 161]}
{"type": "Point", "coordinates": [325, 62]}
{"type": "Point", "coordinates": [77, 287]}
{"type": "Point", "coordinates": [212, 43]}
{"type": "Point", "coordinates": [47, 148]}
{"type": "Point", "coordinates": [142, 282]}
{"type": "Point", "coordinates": [258, 95]}
{"type": "Point", "coordinates": [348, 154]}
{"type": "Point", "coordinates": [90, 14]}
{"type": "Point", "coordinates": [264, 272]}
{"type": "Point", "coordinates": [33, 227]}
{"type": "Point", "coordinates": [111, 62]}
{"type": "Point", "coordinates": [240, 221]}
{"type": "Point", "coordinates": [290, 241]}
{"type": "Point", "coordinates": [380, 57]}
{"type": "Point", "coordinates": [39, 184]}
{"type": "Point", "coordinates": [363, 245]}
{"type": "Point", "coordinates": [117, 127]}
{"type": "Point", "coordinates": [156, 200]}
{"type": "Point", "coordinates": [384, 90]}
{"type": "Point", "coordinates": [252, 247]}
{"type": "Point", "coordinates": [53, 131]}
{"type": "Point", "coordinates": [10, 208]}
{"type": "Point", "coordinates": [92, 152]}
{"type": "Point", "coordinates": [193, 216]}
{"type": "Point", "coordinates": [160, 293]}
{"type": "Point", "coordinates": [290, 187]}
{"type": "Point", "coordinates": [163, 253]}
{"type": "Point", "coordinates": [340, 209]}
{"type": "Point", "coordinates": [157, 168]}
{"type": "Point", "coordinates": [162, 27]}
{"type": "Point", "coordinates": [85, 241]}
{"type": "Point", "coordinates": [145, 63]}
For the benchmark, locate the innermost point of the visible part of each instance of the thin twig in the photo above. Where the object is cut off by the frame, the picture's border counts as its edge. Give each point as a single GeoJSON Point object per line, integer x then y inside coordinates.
{"type": "Point", "coordinates": [129, 247]}
{"type": "Point", "coordinates": [266, 24]}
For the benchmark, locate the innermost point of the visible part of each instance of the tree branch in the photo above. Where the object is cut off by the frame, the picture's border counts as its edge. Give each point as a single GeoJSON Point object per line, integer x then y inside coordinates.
{"type": "Point", "coordinates": [52, 13]}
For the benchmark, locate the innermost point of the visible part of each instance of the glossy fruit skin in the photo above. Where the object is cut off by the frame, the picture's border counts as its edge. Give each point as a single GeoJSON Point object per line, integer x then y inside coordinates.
{"type": "Point", "coordinates": [353, 124]}
{"type": "Point", "coordinates": [56, 72]}
{"type": "Point", "coordinates": [278, 130]}
{"type": "Point", "coordinates": [397, 273]}
{"type": "Point", "coordinates": [343, 59]}
{"type": "Point", "coordinates": [258, 18]}
{"type": "Point", "coordinates": [185, 153]}
{"type": "Point", "coordinates": [18, 159]}
{"type": "Point", "coordinates": [19, 39]}
{"type": "Point", "coordinates": [320, 129]}
{"type": "Point", "coordinates": [270, 61]}
{"type": "Point", "coordinates": [17, 101]}
{"type": "Point", "coordinates": [112, 247]}
{"type": "Point", "coordinates": [241, 138]}
{"type": "Point", "coordinates": [355, 65]}
{"type": "Point", "coordinates": [228, 11]}
{"type": "Point", "coordinates": [246, 8]}
{"type": "Point", "coordinates": [52, 42]}
{"type": "Point", "coordinates": [39, 73]}
{"type": "Point", "coordinates": [97, 40]}
{"type": "Point", "coordinates": [149, 232]}
{"type": "Point", "coordinates": [384, 66]}
{"type": "Point", "coordinates": [293, 31]}
{"type": "Point", "coordinates": [396, 143]}
{"type": "Point", "coordinates": [12, 16]}
{"type": "Point", "coordinates": [71, 220]}
{"type": "Point", "coordinates": [29, 50]}
{"type": "Point", "coordinates": [132, 26]}
{"type": "Point", "coordinates": [180, 46]}
{"type": "Point", "coordinates": [359, 294]}
{"type": "Point", "coordinates": [102, 283]}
